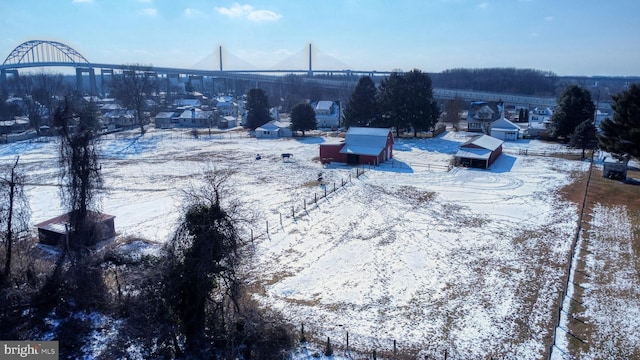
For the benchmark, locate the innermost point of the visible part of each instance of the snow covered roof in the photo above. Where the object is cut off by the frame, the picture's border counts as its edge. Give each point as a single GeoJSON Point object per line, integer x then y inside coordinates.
{"type": "Point", "coordinates": [165, 115]}
{"type": "Point", "coordinates": [196, 113]}
{"type": "Point", "coordinates": [483, 141]}
{"type": "Point", "coordinates": [324, 105]}
{"type": "Point", "coordinates": [273, 126]}
{"type": "Point", "coordinates": [504, 125]}
{"type": "Point", "coordinates": [365, 141]}
{"type": "Point", "coordinates": [474, 153]}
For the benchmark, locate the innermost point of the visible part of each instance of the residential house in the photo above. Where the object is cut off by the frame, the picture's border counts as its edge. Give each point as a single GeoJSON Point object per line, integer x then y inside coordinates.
{"type": "Point", "coordinates": [539, 121]}
{"type": "Point", "coordinates": [196, 118]}
{"type": "Point", "coordinates": [274, 129]}
{"type": "Point", "coordinates": [119, 119]}
{"type": "Point", "coordinates": [479, 152]}
{"type": "Point", "coordinates": [328, 113]}
{"type": "Point", "coordinates": [362, 145]}
{"type": "Point", "coordinates": [166, 119]}
{"type": "Point", "coordinates": [226, 107]}
{"type": "Point", "coordinates": [482, 113]}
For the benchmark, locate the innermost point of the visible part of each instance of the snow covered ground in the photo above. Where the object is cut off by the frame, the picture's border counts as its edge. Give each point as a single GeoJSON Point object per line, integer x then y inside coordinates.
{"type": "Point", "coordinates": [466, 260]}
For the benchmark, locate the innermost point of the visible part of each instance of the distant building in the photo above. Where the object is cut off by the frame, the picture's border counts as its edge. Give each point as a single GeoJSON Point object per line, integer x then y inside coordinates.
{"type": "Point", "coordinates": [274, 129]}
{"type": "Point", "coordinates": [196, 118]}
{"type": "Point", "coordinates": [328, 113]}
{"type": "Point", "coordinates": [166, 119]}
{"type": "Point", "coordinates": [482, 113]}
{"type": "Point", "coordinates": [539, 122]}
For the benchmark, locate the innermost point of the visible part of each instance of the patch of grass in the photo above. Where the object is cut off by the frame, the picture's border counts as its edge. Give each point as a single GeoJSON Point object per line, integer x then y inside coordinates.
{"type": "Point", "coordinates": [608, 193]}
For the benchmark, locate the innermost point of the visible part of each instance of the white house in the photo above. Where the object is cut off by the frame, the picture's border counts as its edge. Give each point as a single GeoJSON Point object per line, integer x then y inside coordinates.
{"type": "Point", "coordinates": [274, 129]}
{"type": "Point", "coordinates": [540, 115]}
{"type": "Point", "coordinates": [327, 113]}
{"type": "Point", "coordinates": [193, 118]}
{"type": "Point", "coordinates": [504, 129]}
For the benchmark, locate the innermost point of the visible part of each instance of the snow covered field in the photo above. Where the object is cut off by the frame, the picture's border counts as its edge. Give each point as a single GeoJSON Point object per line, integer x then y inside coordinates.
{"type": "Point", "coordinates": [467, 260]}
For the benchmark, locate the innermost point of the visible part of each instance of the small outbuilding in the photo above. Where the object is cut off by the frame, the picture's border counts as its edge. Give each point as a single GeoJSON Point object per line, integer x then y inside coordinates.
{"type": "Point", "coordinates": [479, 152]}
{"type": "Point", "coordinates": [54, 231]}
{"type": "Point", "coordinates": [273, 130]}
{"type": "Point", "coordinates": [614, 169]}
{"type": "Point", "coordinates": [362, 145]}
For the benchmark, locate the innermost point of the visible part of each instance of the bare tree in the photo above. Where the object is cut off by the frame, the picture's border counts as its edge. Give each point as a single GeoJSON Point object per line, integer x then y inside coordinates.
{"type": "Point", "coordinates": [453, 109]}
{"type": "Point", "coordinates": [133, 88]}
{"type": "Point", "coordinates": [14, 210]}
{"type": "Point", "coordinates": [80, 175]}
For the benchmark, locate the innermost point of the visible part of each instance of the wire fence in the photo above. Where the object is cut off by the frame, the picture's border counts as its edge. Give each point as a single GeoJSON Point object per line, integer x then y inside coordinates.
{"type": "Point", "coordinates": [316, 342]}
{"type": "Point", "coordinates": [566, 297]}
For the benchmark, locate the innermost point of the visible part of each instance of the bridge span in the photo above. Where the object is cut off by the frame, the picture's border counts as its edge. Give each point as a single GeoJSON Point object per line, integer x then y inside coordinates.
{"type": "Point", "coordinates": [45, 53]}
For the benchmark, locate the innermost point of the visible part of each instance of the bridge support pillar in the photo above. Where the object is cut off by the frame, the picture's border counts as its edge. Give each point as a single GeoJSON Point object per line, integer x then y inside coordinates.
{"type": "Point", "coordinates": [3, 76]}
{"type": "Point", "coordinates": [102, 82]}
{"type": "Point", "coordinates": [92, 80]}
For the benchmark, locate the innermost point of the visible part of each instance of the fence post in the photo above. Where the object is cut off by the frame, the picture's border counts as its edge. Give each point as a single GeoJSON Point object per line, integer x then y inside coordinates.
{"type": "Point", "coordinates": [334, 187]}
{"type": "Point", "coordinates": [325, 191]}
{"type": "Point", "coordinates": [374, 355]}
{"type": "Point", "coordinates": [305, 204]}
{"type": "Point", "coordinates": [347, 341]}
{"type": "Point", "coordinates": [315, 198]}
{"type": "Point", "coordinates": [293, 212]}
{"type": "Point", "coordinates": [267, 226]}
{"type": "Point", "coordinates": [280, 218]}
{"type": "Point", "coordinates": [394, 348]}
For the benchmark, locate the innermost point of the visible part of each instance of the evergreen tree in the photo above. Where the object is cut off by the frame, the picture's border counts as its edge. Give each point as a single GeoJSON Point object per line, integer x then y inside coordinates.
{"type": "Point", "coordinates": [362, 108]}
{"type": "Point", "coordinates": [407, 100]}
{"type": "Point", "coordinates": [574, 107]}
{"type": "Point", "coordinates": [621, 135]}
{"type": "Point", "coordinates": [420, 109]}
{"type": "Point", "coordinates": [526, 115]}
{"type": "Point", "coordinates": [392, 99]}
{"type": "Point", "coordinates": [257, 108]}
{"type": "Point", "coordinates": [521, 115]}
{"type": "Point", "coordinates": [584, 137]}
{"type": "Point", "coordinates": [303, 118]}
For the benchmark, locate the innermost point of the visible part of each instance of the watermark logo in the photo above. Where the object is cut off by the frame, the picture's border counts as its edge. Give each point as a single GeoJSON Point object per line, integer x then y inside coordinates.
{"type": "Point", "coordinates": [35, 350]}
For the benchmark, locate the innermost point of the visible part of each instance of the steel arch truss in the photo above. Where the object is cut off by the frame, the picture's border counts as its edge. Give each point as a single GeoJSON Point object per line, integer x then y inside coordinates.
{"type": "Point", "coordinates": [44, 52]}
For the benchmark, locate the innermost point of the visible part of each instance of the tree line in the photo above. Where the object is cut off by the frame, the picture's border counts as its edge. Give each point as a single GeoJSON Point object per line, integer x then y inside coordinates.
{"type": "Point", "coordinates": [503, 80]}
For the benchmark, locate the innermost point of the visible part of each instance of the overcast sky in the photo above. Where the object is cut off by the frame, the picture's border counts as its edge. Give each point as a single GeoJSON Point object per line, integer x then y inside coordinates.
{"type": "Point", "coordinates": [567, 37]}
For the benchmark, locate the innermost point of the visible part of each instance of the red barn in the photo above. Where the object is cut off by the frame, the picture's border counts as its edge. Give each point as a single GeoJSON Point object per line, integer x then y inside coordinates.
{"type": "Point", "coordinates": [361, 145]}
{"type": "Point", "coordinates": [479, 152]}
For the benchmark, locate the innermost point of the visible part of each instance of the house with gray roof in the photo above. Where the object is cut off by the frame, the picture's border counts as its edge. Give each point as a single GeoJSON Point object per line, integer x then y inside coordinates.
{"type": "Point", "coordinates": [482, 113]}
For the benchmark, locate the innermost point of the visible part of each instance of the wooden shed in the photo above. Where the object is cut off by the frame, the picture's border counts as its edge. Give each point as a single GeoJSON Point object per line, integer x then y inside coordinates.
{"type": "Point", "coordinates": [54, 231]}
{"type": "Point", "coordinates": [479, 152]}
